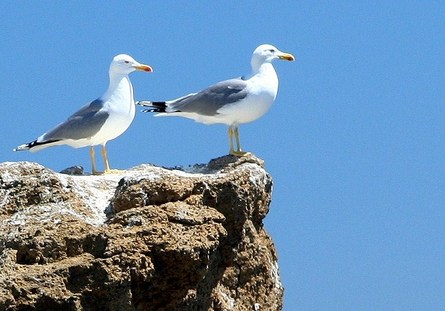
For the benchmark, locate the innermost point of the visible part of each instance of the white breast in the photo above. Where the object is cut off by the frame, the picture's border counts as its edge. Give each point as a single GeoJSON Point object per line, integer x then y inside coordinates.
{"type": "Point", "coordinates": [121, 109]}
{"type": "Point", "coordinates": [262, 88]}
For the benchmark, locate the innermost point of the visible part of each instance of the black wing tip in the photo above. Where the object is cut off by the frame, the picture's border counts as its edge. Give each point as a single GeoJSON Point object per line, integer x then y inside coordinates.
{"type": "Point", "coordinates": [143, 103]}
{"type": "Point", "coordinates": [33, 144]}
{"type": "Point", "coordinates": [154, 106]}
{"type": "Point", "coordinates": [25, 146]}
{"type": "Point", "coordinates": [153, 110]}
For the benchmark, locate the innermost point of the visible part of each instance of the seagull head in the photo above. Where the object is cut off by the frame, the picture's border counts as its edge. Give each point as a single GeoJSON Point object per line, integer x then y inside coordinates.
{"type": "Point", "coordinates": [266, 53]}
{"type": "Point", "coordinates": [125, 64]}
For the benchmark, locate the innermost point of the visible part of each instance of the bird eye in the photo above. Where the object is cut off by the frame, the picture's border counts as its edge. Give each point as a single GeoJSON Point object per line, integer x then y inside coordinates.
{"type": "Point", "coordinates": [126, 62]}
{"type": "Point", "coordinates": [272, 50]}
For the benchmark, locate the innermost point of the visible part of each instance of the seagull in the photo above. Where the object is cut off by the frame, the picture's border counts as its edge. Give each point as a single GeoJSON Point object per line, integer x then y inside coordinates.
{"type": "Point", "coordinates": [102, 120]}
{"type": "Point", "coordinates": [231, 102]}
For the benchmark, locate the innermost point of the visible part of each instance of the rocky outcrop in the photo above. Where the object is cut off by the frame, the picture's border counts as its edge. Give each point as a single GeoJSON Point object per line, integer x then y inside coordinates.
{"type": "Point", "coordinates": [149, 238]}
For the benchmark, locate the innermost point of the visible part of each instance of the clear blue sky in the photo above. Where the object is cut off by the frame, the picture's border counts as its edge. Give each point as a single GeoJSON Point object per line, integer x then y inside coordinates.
{"type": "Point", "coordinates": [355, 140]}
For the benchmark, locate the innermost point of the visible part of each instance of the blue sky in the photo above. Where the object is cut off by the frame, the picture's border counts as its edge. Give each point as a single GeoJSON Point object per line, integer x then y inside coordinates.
{"type": "Point", "coordinates": [355, 140]}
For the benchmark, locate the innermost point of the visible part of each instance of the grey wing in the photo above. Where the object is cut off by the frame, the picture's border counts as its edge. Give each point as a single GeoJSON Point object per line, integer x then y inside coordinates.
{"type": "Point", "coordinates": [210, 100]}
{"type": "Point", "coordinates": [83, 124]}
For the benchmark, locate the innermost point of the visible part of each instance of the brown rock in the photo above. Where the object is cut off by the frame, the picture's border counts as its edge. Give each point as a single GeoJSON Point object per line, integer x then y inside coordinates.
{"type": "Point", "coordinates": [148, 238]}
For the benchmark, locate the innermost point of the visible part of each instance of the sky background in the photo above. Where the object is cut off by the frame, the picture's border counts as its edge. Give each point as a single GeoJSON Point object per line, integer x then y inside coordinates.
{"type": "Point", "coordinates": [354, 141]}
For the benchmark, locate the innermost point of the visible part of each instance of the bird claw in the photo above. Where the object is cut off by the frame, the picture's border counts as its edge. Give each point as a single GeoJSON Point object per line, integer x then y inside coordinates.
{"type": "Point", "coordinates": [113, 171]}
{"type": "Point", "coordinates": [239, 153]}
{"type": "Point", "coordinates": [107, 172]}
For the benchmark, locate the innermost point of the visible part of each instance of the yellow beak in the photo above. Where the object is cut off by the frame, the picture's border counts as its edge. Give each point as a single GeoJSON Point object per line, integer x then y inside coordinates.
{"type": "Point", "coordinates": [144, 68]}
{"type": "Point", "coordinates": [287, 56]}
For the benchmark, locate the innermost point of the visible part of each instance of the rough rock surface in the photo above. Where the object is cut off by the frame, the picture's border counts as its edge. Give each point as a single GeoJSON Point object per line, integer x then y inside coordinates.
{"type": "Point", "coordinates": [149, 238]}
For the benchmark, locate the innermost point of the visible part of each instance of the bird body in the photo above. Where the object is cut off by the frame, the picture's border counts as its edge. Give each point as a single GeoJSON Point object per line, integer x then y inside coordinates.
{"type": "Point", "coordinates": [101, 120]}
{"type": "Point", "coordinates": [262, 89]}
{"type": "Point", "coordinates": [231, 102]}
{"type": "Point", "coordinates": [120, 109]}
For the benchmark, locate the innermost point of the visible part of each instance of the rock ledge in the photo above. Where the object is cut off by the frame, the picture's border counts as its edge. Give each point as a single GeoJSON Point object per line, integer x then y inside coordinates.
{"type": "Point", "coordinates": [149, 238]}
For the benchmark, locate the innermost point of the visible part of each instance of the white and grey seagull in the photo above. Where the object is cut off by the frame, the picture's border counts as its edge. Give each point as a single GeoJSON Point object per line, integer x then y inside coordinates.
{"type": "Point", "coordinates": [101, 120]}
{"type": "Point", "coordinates": [231, 102]}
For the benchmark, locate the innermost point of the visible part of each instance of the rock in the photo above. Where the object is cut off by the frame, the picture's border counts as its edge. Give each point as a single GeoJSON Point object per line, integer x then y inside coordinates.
{"type": "Point", "coordinates": [73, 170]}
{"type": "Point", "coordinates": [149, 238]}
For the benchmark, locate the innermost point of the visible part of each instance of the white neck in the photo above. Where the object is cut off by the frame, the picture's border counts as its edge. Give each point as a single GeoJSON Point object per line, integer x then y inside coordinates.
{"type": "Point", "coordinates": [266, 70]}
{"type": "Point", "coordinates": [262, 69]}
{"type": "Point", "coordinates": [120, 89]}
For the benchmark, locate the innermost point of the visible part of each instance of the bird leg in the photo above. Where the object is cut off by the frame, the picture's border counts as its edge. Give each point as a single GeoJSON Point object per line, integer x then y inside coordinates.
{"type": "Point", "coordinates": [230, 132]}
{"type": "Point", "coordinates": [105, 157]}
{"type": "Point", "coordinates": [238, 145]}
{"type": "Point", "coordinates": [93, 162]}
{"type": "Point", "coordinates": [233, 131]}
{"type": "Point", "coordinates": [107, 164]}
